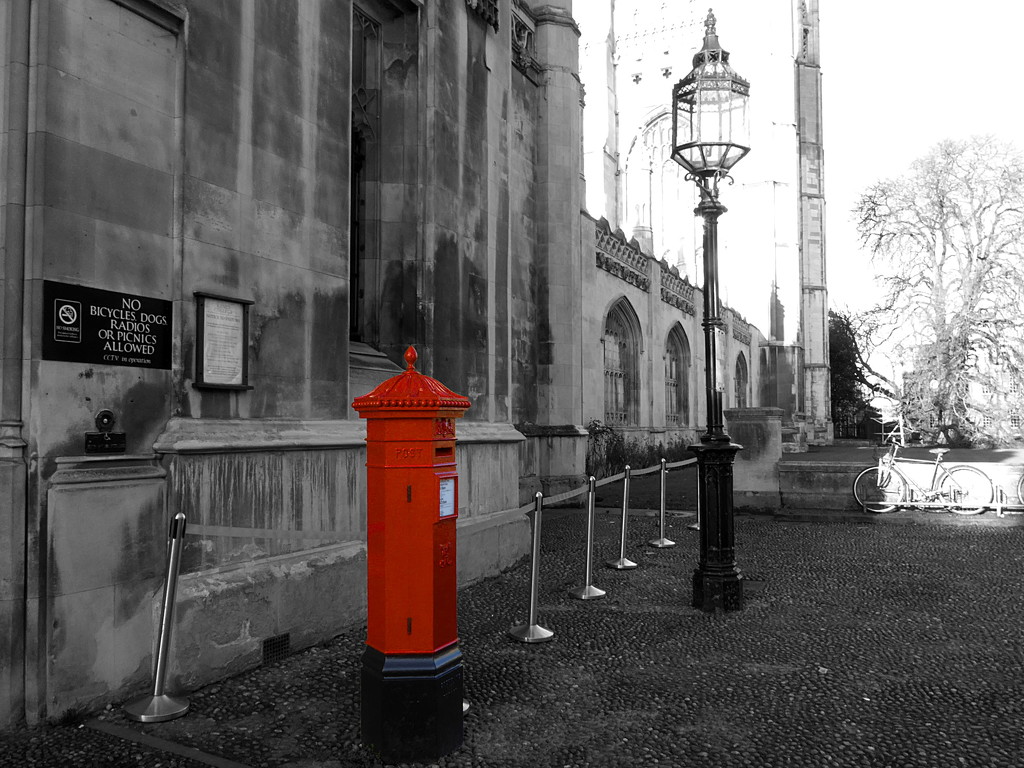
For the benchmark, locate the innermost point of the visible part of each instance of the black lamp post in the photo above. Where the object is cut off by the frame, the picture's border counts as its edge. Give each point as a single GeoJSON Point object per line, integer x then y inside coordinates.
{"type": "Point", "coordinates": [709, 136]}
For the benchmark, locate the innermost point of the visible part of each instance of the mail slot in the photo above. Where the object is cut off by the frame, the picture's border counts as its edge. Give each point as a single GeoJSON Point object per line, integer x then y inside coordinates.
{"type": "Point", "coordinates": [412, 685]}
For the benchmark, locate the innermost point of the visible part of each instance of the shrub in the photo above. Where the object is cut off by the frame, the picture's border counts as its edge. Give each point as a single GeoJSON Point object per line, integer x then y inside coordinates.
{"type": "Point", "coordinates": [609, 451]}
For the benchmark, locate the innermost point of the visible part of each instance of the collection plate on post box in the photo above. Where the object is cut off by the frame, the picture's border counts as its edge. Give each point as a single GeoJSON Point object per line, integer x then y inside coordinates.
{"type": "Point", "coordinates": [446, 497]}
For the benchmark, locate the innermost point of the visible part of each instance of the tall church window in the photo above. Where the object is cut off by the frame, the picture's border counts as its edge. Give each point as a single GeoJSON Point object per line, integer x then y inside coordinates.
{"type": "Point", "coordinates": [677, 379]}
{"type": "Point", "coordinates": [364, 240]}
{"type": "Point", "coordinates": [742, 381]}
{"type": "Point", "coordinates": [621, 366]}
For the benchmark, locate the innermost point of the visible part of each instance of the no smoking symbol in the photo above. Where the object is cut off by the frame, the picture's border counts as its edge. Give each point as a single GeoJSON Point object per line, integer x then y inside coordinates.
{"type": "Point", "coordinates": [67, 314]}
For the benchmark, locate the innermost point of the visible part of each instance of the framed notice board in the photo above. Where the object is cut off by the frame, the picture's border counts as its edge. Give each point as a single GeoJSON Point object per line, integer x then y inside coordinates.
{"type": "Point", "coordinates": [222, 342]}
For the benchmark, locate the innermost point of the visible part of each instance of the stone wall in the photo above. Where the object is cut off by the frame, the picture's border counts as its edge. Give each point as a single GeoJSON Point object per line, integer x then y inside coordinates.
{"type": "Point", "coordinates": [756, 470]}
{"type": "Point", "coordinates": [616, 270]}
{"type": "Point", "coordinates": [182, 148]}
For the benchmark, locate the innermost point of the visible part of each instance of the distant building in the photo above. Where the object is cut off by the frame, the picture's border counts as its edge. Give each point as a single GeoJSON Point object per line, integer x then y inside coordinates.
{"type": "Point", "coordinates": [772, 239]}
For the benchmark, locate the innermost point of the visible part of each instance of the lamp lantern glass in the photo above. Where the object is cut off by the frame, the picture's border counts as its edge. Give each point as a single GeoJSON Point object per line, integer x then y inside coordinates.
{"type": "Point", "coordinates": [710, 115]}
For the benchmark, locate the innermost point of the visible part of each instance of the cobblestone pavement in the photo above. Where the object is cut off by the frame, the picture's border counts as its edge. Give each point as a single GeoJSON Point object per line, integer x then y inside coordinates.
{"type": "Point", "coordinates": [859, 645]}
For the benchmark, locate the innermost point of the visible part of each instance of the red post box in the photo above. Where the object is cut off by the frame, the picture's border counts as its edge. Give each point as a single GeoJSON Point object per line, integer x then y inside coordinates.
{"type": "Point", "coordinates": [412, 684]}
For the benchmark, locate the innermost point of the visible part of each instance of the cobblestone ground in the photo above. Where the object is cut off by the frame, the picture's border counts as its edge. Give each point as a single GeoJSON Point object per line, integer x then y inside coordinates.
{"type": "Point", "coordinates": [859, 645]}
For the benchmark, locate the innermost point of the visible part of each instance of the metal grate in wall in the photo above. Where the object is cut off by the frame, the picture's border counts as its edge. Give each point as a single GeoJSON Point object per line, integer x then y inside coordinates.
{"type": "Point", "coordinates": [276, 648]}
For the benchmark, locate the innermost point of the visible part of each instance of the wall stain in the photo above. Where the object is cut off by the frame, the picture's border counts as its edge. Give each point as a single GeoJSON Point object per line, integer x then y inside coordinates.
{"type": "Point", "coordinates": [286, 491]}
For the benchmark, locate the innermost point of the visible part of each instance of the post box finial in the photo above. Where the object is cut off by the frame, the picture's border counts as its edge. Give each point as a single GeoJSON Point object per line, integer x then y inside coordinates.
{"type": "Point", "coordinates": [410, 358]}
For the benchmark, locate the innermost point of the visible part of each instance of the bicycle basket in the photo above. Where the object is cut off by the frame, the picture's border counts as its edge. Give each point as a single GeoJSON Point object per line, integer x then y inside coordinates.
{"type": "Point", "coordinates": [880, 452]}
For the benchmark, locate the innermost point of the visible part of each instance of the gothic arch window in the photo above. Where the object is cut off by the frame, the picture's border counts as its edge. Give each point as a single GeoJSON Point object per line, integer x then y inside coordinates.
{"type": "Point", "coordinates": [741, 381]}
{"type": "Point", "coordinates": [364, 236]}
{"type": "Point", "coordinates": [677, 379]}
{"type": "Point", "coordinates": [621, 366]}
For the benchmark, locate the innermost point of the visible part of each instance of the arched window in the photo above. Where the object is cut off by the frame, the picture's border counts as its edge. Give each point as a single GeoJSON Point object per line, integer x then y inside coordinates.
{"type": "Point", "coordinates": [621, 366]}
{"type": "Point", "coordinates": [742, 381]}
{"type": "Point", "coordinates": [365, 147]}
{"type": "Point", "coordinates": [677, 379]}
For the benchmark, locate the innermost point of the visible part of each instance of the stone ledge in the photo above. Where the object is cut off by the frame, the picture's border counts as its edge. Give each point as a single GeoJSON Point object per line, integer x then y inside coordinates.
{"type": "Point", "coordinates": [552, 430]}
{"type": "Point", "coordinates": [233, 435]}
{"type": "Point", "coordinates": [112, 468]}
{"type": "Point", "coordinates": [486, 432]}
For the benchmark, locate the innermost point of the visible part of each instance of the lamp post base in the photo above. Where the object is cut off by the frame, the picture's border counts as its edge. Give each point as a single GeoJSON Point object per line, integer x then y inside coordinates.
{"type": "Point", "coordinates": [717, 592]}
{"type": "Point", "coordinates": [717, 582]}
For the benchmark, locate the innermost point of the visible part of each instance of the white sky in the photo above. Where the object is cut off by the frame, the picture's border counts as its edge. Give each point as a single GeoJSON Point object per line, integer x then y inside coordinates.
{"type": "Point", "coordinates": [898, 77]}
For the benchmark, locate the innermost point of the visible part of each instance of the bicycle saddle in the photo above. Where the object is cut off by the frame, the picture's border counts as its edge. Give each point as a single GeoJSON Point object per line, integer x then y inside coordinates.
{"type": "Point", "coordinates": [938, 451]}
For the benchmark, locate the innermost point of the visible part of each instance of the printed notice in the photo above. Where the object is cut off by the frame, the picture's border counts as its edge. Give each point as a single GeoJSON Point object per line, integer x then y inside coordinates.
{"type": "Point", "coordinates": [447, 501]}
{"type": "Point", "coordinates": [223, 342]}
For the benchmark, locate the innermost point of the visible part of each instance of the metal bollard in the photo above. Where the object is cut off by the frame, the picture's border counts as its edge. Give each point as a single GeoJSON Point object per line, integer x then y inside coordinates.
{"type": "Point", "coordinates": [622, 563]}
{"type": "Point", "coordinates": [532, 632]}
{"type": "Point", "coordinates": [588, 591]}
{"type": "Point", "coordinates": [661, 541]}
{"type": "Point", "coordinates": [696, 526]}
{"type": "Point", "coordinates": [160, 707]}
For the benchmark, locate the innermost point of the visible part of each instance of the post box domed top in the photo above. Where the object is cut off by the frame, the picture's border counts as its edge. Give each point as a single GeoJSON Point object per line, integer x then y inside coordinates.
{"type": "Point", "coordinates": [410, 389]}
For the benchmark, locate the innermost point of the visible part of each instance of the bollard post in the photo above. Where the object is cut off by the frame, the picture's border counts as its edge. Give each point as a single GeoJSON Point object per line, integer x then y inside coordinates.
{"type": "Point", "coordinates": [623, 563]}
{"type": "Point", "coordinates": [159, 707]}
{"type": "Point", "coordinates": [588, 591]}
{"type": "Point", "coordinates": [661, 542]}
{"type": "Point", "coordinates": [532, 632]}
{"type": "Point", "coordinates": [696, 526]}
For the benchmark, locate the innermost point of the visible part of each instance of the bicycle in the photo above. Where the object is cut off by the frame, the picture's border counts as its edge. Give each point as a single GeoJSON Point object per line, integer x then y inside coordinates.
{"type": "Point", "coordinates": [961, 489]}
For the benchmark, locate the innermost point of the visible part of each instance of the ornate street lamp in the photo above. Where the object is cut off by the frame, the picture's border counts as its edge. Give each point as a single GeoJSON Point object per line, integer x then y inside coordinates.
{"type": "Point", "coordinates": [709, 136]}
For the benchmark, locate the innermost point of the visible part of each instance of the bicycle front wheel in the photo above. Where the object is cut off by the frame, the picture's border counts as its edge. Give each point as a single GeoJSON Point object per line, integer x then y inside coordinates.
{"type": "Point", "coordinates": [1020, 489]}
{"type": "Point", "coordinates": [968, 489]}
{"type": "Point", "coordinates": [879, 491]}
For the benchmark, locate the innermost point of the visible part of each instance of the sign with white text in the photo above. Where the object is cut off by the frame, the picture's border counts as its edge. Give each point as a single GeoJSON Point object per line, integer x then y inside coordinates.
{"type": "Point", "coordinates": [97, 327]}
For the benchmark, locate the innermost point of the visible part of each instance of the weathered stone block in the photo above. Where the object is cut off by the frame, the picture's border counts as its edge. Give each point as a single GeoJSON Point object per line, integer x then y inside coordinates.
{"type": "Point", "coordinates": [99, 185]}
{"type": "Point", "coordinates": [212, 213]}
{"type": "Point", "coordinates": [107, 540]}
{"type": "Point", "coordinates": [211, 153]}
{"type": "Point", "coordinates": [97, 117]}
{"type": "Point", "coordinates": [817, 486]}
{"type": "Point", "coordinates": [225, 615]}
{"type": "Point", "coordinates": [755, 473]}
{"type": "Point", "coordinates": [279, 180]}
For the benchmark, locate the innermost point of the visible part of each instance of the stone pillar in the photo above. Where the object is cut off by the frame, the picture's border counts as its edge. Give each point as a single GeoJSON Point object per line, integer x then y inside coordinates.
{"type": "Point", "coordinates": [560, 201]}
{"type": "Point", "coordinates": [813, 291]}
{"type": "Point", "coordinates": [15, 28]}
{"type": "Point", "coordinates": [601, 116]}
{"type": "Point", "coordinates": [756, 479]}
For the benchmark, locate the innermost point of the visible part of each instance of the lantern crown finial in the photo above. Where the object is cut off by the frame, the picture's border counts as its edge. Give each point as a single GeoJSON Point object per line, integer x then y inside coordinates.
{"type": "Point", "coordinates": [712, 49]}
{"type": "Point", "coordinates": [410, 358]}
{"type": "Point", "coordinates": [709, 24]}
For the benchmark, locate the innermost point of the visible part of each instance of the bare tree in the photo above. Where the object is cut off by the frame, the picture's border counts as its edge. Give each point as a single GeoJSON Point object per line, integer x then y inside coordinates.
{"type": "Point", "coordinates": [946, 242]}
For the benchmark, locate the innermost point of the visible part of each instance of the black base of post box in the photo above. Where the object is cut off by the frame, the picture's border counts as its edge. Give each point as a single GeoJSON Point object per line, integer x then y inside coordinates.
{"type": "Point", "coordinates": [412, 704]}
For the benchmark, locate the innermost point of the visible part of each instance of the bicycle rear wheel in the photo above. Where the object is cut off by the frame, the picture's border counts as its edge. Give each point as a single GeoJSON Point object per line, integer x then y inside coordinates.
{"type": "Point", "coordinates": [1020, 489]}
{"type": "Point", "coordinates": [879, 491]}
{"type": "Point", "coordinates": [968, 489]}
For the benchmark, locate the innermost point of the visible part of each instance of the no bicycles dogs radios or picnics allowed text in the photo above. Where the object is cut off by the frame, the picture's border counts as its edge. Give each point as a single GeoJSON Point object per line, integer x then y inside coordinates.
{"type": "Point", "coordinates": [89, 325]}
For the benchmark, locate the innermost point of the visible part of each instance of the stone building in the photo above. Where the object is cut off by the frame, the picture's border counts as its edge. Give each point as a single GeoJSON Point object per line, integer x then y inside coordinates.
{"type": "Point", "coordinates": [220, 223]}
{"type": "Point", "coordinates": [772, 247]}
